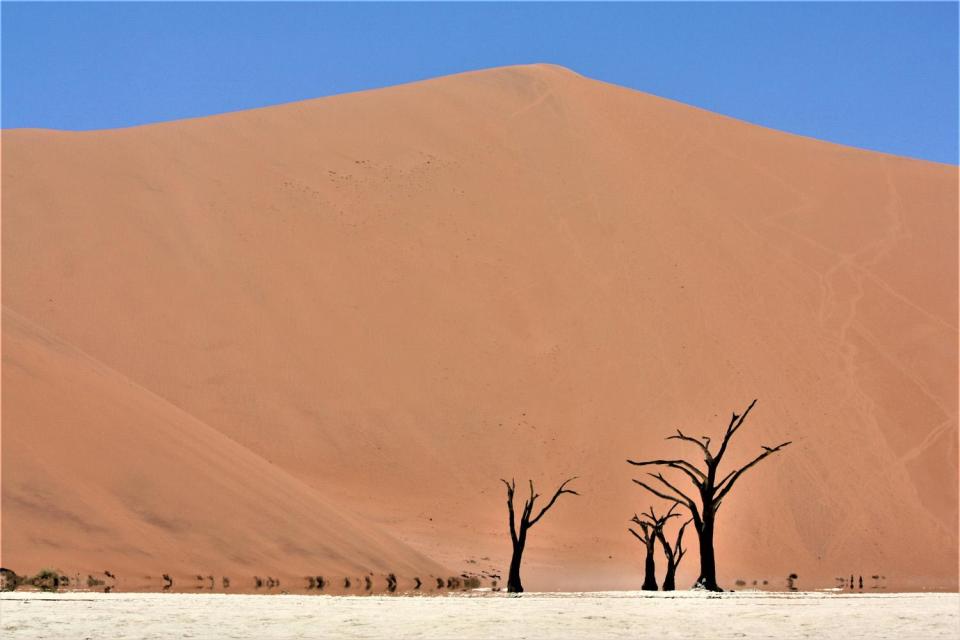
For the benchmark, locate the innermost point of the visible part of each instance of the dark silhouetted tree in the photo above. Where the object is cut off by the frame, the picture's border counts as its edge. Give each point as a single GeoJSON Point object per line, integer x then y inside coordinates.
{"type": "Point", "coordinates": [710, 489]}
{"type": "Point", "coordinates": [519, 535]}
{"type": "Point", "coordinates": [674, 553]}
{"type": "Point", "coordinates": [652, 527]}
{"type": "Point", "coordinates": [648, 538]}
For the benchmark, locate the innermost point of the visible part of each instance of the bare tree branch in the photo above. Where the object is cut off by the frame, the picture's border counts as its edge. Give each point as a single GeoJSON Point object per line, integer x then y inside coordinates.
{"type": "Point", "coordinates": [725, 478]}
{"type": "Point", "coordinates": [527, 509]}
{"type": "Point", "coordinates": [525, 516]}
{"type": "Point", "coordinates": [735, 423]}
{"type": "Point", "coordinates": [649, 531]}
{"type": "Point", "coordinates": [511, 486]}
{"type": "Point", "coordinates": [720, 492]}
{"type": "Point", "coordinates": [680, 436]}
{"type": "Point", "coordinates": [678, 549]}
{"type": "Point", "coordinates": [696, 475]}
{"type": "Point", "coordinates": [684, 500]}
{"type": "Point", "coordinates": [638, 536]}
{"type": "Point", "coordinates": [659, 521]}
{"type": "Point", "coordinates": [659, 476]}
{"type": "Point", "coordinates": [560, 491]}
{"type": "Point", "coordinates": [660, 494]}
{"type": "Point", "coordinates": [644, 526]}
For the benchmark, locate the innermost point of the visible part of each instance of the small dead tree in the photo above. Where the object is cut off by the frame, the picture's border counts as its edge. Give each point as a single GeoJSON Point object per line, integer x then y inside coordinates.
{"type": "Point", "coordinates": [673, 553]}
{"type": "Point", "coordinates": [650, 526]}
{"type": "Point", "coordinates": [710, 491]}
{"type": "Point", "coordinates": [519, 536]}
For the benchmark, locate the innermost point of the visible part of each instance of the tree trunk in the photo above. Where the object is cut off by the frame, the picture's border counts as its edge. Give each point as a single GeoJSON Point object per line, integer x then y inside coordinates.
{"type": "Point", "coordinates": [649, 571]}
{"type": "Point", "coordinates": [708, 563]}
{"type": "Point", "coordinates": [670, 580]}
{"type": "Point", "coordinates": [513, 578]}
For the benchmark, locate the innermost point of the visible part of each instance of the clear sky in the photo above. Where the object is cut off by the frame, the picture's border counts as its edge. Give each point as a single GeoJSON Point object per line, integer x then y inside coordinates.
{"type": "Point", "coordinates": [880, 75]}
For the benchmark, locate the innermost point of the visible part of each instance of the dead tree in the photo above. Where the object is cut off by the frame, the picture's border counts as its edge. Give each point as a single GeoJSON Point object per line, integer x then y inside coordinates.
{"type": "Point", "coordinates": [710, 491]}
{"type": "Point", "coordinates": [673, 553]}
{"type": "Point", "coordinates": [652, 526]}
{"type": "Point", "coordinates": [649, 540]}
{"type": "Point", "coordinates": [527, 520]}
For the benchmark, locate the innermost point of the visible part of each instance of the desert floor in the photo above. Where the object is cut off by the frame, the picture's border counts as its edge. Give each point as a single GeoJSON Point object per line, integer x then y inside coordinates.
{"type": "Point", "coordinates": [533, 615]}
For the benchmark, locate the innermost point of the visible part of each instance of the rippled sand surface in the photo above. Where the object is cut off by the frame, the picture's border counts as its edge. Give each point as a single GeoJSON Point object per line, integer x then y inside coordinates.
{"type": "Point", "coordinates": [568, 615]}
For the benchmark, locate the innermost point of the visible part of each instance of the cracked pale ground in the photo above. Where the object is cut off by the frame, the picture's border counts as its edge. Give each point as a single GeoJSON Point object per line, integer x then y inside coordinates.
{"type": "Point", "coordinates": [583, 615]}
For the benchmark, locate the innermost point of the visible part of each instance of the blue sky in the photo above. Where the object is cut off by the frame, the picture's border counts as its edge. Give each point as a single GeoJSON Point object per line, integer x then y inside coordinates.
{"type": "Point", "coordinates": [875, 75]}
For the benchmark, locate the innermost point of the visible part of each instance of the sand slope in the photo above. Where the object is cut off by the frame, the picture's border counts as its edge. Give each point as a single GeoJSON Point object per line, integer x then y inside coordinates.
{"type": "Point", "coordinates": [399, 296]}
{"type": "Point", "coordinates": [101, 474]}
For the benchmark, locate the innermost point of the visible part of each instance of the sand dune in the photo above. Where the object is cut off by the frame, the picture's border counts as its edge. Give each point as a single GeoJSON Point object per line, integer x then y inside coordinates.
{"type": "Point", "coordinates": [101, 474]}
{"type": "Point", "coordinates": [385, 301]}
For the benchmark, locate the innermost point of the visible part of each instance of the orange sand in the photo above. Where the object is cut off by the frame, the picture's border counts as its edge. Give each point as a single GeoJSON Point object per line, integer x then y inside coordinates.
{"type": "Point", "coordinates": [311, 338]}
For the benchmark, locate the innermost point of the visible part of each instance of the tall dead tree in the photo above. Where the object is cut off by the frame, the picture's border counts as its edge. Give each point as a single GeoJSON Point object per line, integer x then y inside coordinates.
{"type": "Point", "coordinates": [519, 535]}
{"type": "Point", "coordinates": [710, 490]}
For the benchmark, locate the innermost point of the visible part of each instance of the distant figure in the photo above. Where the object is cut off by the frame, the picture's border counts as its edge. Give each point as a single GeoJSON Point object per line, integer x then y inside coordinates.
{"type": "Point", "coordinates": [861, 582]}
{"type": "Point", "coordinates": [791, 581]}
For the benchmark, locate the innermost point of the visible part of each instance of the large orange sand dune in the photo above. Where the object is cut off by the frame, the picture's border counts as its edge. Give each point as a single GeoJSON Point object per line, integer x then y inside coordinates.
{"type": "Point", "coordinates": [108, 476]}
{"type": "Point", "coordinates": [364, 310]}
